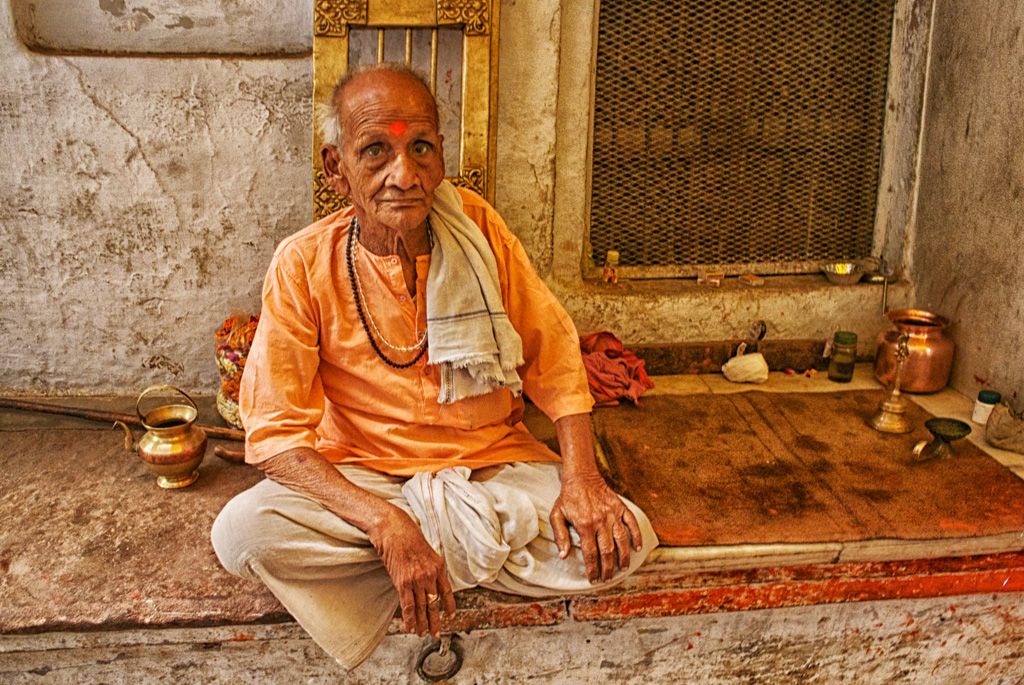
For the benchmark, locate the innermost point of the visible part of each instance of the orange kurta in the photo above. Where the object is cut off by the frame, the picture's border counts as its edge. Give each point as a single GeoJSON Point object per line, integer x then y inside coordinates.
{"type": "Point", "coordinates": [312, 380]}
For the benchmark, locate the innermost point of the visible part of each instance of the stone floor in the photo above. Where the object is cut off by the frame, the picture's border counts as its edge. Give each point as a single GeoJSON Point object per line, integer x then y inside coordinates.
{"type": "Point", "coordinates": [146, 602]}
{"type": "Point", "coordinates": [950, 640]}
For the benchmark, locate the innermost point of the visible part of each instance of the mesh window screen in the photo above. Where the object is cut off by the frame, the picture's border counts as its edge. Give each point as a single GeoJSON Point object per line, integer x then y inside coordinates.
{"type": "Point", "coordinates": [739, 134]}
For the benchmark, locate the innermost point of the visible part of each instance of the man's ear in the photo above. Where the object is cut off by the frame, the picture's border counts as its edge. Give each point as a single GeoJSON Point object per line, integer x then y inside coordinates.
{"type": "Point", "coordinates": [440, 151]}
{"type": "Point", "coordinates": [331, 158]}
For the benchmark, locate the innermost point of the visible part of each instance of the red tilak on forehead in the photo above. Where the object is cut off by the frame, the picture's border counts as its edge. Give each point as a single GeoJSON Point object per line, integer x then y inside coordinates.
{"type": "Point", "coordinates": [398, 128]}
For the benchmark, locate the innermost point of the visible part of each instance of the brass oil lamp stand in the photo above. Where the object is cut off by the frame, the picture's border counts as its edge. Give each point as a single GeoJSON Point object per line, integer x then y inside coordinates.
{"type": "Point", "coordinates": [944, 431]}
{"type": "Point", "coordinates": [889, 417]}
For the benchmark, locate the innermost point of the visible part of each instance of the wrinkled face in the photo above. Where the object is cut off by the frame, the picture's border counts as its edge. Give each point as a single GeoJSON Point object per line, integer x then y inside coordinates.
{"type": "Point", "coordinates": [391, 159]}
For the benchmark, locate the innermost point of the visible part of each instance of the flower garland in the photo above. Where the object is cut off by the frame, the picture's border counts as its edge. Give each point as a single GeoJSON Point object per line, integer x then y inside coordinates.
{"type": "Point", "coordinates": [233, 340]}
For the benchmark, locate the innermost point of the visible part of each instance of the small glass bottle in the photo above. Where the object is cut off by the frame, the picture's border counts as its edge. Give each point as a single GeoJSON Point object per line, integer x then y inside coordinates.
{"type": "Point", "coordinates": [610, 273]}
{"type": "Point", "coordinates": [844, 356]}
{"type": "Point", "coordinates": [983, 406]}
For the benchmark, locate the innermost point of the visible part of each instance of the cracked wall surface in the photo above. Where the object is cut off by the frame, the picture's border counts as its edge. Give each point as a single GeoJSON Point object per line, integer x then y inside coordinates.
{"type": "Point", "coordinates": [142, 198]}
{"type": "Point", "coordinates": [969, 244]}
{"type": "Point", "coordinates": [140, 202]}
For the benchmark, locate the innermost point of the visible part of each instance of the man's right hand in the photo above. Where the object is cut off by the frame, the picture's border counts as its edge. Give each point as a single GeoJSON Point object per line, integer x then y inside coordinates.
{"type": "Point", "coordinates": [418, 572]}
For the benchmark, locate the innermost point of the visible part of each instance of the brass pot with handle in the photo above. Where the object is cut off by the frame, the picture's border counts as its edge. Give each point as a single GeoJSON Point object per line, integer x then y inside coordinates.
{"type": "Point", "coordinates": [173, 445]}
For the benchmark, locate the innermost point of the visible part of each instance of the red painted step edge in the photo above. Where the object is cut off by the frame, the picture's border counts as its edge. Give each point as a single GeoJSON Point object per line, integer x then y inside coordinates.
{"type": "Point", "coordinates": [808, 585]}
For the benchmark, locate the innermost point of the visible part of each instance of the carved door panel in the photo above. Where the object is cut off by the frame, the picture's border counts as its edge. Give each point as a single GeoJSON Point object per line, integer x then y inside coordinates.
{"type": "Point", "coordinates": [338, 23]}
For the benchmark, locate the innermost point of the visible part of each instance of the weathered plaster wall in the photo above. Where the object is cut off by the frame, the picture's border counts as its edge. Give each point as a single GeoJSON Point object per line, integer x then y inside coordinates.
{"type": "Point", "coordinates": [968, 250]}
{"type": "Point", "coordinates": [143, 196]}
{"type": "Point", "coordinates": [897, 181]}
{"type": "Point", "coordinates": [140, 200]}
{"type": "Point", "coordinates": [527, 96]}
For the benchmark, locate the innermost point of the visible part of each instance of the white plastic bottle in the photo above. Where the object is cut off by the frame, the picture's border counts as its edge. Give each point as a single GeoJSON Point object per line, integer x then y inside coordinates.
{"type": "Point", "coordinates": [987, 400]}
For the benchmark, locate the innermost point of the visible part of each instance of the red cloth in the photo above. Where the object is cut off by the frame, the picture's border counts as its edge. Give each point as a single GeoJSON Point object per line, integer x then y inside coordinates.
{"type": "Point", "coordinates": [613, 372]}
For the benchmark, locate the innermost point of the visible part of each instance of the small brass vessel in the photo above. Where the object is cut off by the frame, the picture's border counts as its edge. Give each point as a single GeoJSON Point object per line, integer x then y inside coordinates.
{"type": "Point", "coordinates": [173, 445]}
{"type": "Point", "coordinates": [890, 416]}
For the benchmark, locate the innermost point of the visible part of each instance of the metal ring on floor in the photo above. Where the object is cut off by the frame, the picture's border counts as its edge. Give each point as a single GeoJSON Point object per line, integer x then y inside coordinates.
{"type": "Point", "coordinates": [439, 659]}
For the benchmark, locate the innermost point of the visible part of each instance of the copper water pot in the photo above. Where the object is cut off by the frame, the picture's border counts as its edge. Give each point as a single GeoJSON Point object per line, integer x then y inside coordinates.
{"type": "Point", "coordinates": [930, 362]}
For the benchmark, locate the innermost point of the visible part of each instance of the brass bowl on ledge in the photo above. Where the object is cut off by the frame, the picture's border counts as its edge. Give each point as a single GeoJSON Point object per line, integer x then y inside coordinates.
{"type": "Point", "coordinates": [843, 273]}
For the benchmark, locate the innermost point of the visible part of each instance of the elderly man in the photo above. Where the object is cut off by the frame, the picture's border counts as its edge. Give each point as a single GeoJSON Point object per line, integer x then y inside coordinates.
{"type": "Point", "coordinates": [381, 397]}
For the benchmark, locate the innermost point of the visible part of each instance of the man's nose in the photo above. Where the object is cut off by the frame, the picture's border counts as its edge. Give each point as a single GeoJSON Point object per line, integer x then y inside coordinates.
{"type": "Point", "coordinates": [402, 173]}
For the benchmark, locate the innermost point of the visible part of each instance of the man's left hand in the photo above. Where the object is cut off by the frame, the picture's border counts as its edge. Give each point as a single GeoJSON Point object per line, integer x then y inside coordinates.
{"type": "Point", "coordinates": [607, 529]}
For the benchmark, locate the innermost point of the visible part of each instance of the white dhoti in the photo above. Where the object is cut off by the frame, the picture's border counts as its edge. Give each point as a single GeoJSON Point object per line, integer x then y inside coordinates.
{"type": "Point", "coordinates": [491, 525]}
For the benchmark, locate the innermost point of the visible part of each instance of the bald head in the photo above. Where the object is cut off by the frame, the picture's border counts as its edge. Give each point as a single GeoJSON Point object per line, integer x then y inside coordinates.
{"type": "Point", "coordinates": [397, 78]}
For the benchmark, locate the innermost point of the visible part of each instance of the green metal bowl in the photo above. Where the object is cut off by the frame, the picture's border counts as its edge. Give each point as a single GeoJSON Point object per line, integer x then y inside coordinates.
{"type": "Point", "coordinates": [947, 429]}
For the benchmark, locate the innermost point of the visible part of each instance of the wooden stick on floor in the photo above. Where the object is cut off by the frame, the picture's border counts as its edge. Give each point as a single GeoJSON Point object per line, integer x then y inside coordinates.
{"type": "Point", "coordinates": [215, 432]}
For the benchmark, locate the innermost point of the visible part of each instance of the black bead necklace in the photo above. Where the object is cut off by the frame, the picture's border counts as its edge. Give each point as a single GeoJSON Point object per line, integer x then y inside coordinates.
{"type": "Point", "coordinates": [353, 233]}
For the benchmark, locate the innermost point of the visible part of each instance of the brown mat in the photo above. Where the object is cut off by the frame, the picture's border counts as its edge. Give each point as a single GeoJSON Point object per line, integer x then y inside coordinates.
{"type": "Point", "coordinates": [761, 467]}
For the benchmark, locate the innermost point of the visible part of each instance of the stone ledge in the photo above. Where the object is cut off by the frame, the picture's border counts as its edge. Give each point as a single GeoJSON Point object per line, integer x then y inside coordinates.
{"type": "Point", "coordinates": [708, 357]}
{"type": "Point", "coordinates": [141, 556]}
{"type": "Point", "coordinates": [645, 313]}
{"type": "Point", "coordinates": [875, 642]}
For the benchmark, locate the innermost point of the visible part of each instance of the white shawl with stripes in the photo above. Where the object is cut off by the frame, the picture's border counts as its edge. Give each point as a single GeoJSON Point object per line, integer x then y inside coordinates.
{"type": "Point", "coordinates": [471, 338]}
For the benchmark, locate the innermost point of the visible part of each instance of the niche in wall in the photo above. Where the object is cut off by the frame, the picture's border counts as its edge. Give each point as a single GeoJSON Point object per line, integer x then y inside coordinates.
{"type": "Point", "coordinates": [165, 27]}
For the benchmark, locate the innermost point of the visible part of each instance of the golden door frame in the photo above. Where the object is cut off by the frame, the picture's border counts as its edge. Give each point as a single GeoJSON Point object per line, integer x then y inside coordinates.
{"type": "Point", "coordinates": [479, 22]}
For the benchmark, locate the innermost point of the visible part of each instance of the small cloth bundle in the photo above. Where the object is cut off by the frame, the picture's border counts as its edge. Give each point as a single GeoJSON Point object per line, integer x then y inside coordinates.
{"type": "Point", "coordinates": [1005, 429]}
{"type": "Point", "coordinates": [232, 341]}
{"type": "Point", "coordinates": [613, 372]}
{"type": "Point", "coordinates": [746, 368]}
